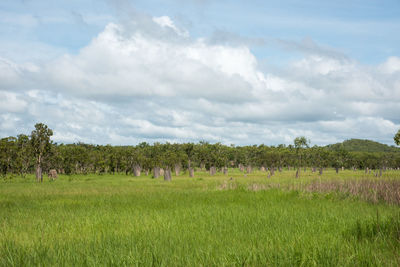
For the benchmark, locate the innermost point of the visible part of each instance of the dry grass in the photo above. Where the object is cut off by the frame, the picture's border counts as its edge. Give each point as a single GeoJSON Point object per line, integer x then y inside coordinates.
{"type": "Point", "coordinates": [387, 191]}
{"type": "Point", "coordinates": [371, 190]}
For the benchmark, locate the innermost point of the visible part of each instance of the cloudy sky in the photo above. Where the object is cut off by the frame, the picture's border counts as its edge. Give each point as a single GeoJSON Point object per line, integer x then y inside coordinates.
{"type": "Point", "coordinates": [230, 71]}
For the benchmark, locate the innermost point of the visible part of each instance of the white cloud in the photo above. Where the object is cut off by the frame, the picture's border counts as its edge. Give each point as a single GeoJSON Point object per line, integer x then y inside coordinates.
{"type": "Point", "coordinates": [132, 84]}
{"type": "Point", "coordinates": [11, 102]}
{"type": "Point", "coordinates": [391, 66]}
{"type": "Point", "coordinates": [165, 21]}
{"type": "Point", "coordinates": [135, 66]}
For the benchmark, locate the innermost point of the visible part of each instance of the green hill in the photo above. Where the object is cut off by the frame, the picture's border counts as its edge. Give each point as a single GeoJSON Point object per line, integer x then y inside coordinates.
{"type": "Point", "coordinates": [363, 146]}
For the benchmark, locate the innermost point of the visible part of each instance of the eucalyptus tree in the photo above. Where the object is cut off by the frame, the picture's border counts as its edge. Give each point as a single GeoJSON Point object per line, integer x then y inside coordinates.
{"type": "Point", "coordinates": [319, 158]}
{"type": "Point", "coordinates": [218, 157]}
{"type": "Point", "coordinates": [143, 158]}
{"type": "Point", "coordinates": [396, 138]}
{"type": "Point", "coordinates": [156, 153]}
{"type": "Point", "coordinates": [189, 149]}
{"type": "Point", "coordinates": [65, 152]}
{"type": "Point", "coordinates": [119, 156]}
{"type": "Point", "coordinates": [24, 154]}
{"type": "Point", "coordinates": [110, 160]}
{"type": "Point", "coordinates": [55, 159]}
{"type": "Point", "coordinates": [281, 150]}
{"type": "Point", "coordinates": [268, 157]}
{"type": "Point", "coordinates": [226, 158]}
{"type": "Point", "coordinates": [300, 143]}
{"type": "Point", "coordinates": [8, 154]}
{"type": "Point", "coordinates": [339, 158]}
{"type": "Point", "coordinates": [243, 157]}
{"type": "Point", "coordinates": [323, 157]}
{"type": "Point", "coordinates": [180, 157]}
{"type": "Point", "coordinates": [137, 159]}
{"type": "Point", "coordinates": [168, 160]}
{"type": "Point", "coordinates": [41, 145]}
{"type": "Point", "coordinates": [202, 154]}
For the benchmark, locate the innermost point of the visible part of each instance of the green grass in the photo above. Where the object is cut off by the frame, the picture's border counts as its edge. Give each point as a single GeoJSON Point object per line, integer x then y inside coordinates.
{"type": "Point", "coordinates": [120, 220]}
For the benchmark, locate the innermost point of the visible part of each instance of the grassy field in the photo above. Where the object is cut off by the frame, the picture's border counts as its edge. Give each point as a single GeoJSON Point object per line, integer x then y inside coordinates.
{"type": "Point", "coordinates": [119, 220]}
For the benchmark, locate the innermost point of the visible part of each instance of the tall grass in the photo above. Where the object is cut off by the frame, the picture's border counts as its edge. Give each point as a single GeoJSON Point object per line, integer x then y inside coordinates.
{"type": "Point", "coordinates": [119, 220]}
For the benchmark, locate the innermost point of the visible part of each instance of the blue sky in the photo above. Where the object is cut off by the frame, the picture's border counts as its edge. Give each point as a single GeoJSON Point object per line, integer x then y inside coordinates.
{"type": "Point", "coordinates": [364, 30]}
{"type": "Point", "coordinates": [238, 72]}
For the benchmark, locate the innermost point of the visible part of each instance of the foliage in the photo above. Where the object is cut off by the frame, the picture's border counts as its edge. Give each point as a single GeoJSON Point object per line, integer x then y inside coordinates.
{"type": "Point", "coordinates": [41, 146]}
{"type": "Point", "coordinates": [22, 155]}
{"type": "Point", "coordinates": [358, 145]}
{"type": "Point", "coordinates": [397, 138]}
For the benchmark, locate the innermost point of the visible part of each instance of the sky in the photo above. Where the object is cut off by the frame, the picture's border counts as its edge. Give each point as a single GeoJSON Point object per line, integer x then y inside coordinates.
{"type": "Point", "coordinates": [238, 72]}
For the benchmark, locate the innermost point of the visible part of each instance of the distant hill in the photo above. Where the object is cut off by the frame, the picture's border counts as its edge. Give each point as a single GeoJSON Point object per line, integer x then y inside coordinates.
{"type": "Point", "coordinates": [363, 146]}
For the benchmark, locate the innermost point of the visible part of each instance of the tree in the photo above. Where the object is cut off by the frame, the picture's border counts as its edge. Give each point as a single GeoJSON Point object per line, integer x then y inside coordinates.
{"type": "Point", "coordinates": [189, 150]}
{"type": "Point", "coordinates": [8, 155]}
{"type": "Point", "coordinates": [41, 145]}
{"type": "Point", "coordinates": [24, 158]}
{"type": "Point", "coordinates": [397, 138]}
{"type": "Point", "coordinates": [300, 143]}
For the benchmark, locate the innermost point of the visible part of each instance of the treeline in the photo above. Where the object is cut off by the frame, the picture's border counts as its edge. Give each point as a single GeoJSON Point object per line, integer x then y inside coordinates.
{"type": "Point", "coordinates": [38, 154]}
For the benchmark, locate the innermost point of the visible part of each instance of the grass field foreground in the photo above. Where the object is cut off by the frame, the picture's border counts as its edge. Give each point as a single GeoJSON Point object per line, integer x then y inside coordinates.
{"type": "Point", "coordinates": [122, 220]}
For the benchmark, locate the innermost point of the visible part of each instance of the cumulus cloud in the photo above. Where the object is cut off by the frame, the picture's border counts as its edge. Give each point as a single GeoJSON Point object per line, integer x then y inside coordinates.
{"type": "Point", "coordinates": [148, 80]}
{"type": "Point", "coordinates": [391, 66]}
{"type": "Point", "coordinates": [135, 66]}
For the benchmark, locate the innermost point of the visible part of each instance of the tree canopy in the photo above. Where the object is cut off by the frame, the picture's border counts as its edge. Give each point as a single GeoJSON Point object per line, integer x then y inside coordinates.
{"type": "Point", "coordinates": [397, 138]}
{"type": "Point", "coordinates": [38, 154]}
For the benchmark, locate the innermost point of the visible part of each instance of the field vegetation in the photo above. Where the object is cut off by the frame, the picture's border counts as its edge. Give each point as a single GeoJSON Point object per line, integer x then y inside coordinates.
{"type": "Point", "coordinates": [229, 219]}
{"type": "Point", "coordinates": [197, 204]}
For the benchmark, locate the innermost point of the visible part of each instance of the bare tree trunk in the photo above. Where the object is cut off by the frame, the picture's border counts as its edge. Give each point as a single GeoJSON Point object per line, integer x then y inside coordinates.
{"type": "Point", "coordinates": [272, 171]}
{"type": "Point", "coordinates": [177, 169]}
{"type": "Point", "coordinates": [156, 172]}
{"type": "Point", "coordinates": [280, 169]}
{"type": "Point", "coordinates": [320, 171]}
{"type": "Point", "coordinates": [147, 172]}
{"type": "Point", "coordinates": [337, 170]}
{"type": "Point", "coordinates": [225, 170]}
{"type": "Point", "coordinates": [167, 174]}
{"type": "Point", "coordinates": [297, 173]}
{"type": "Point", "coordinates": [191, 172]}
{"type": "Point", "coordinates": [380, 172]}
{"type": "Point", "coordinates": [39, 174]}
